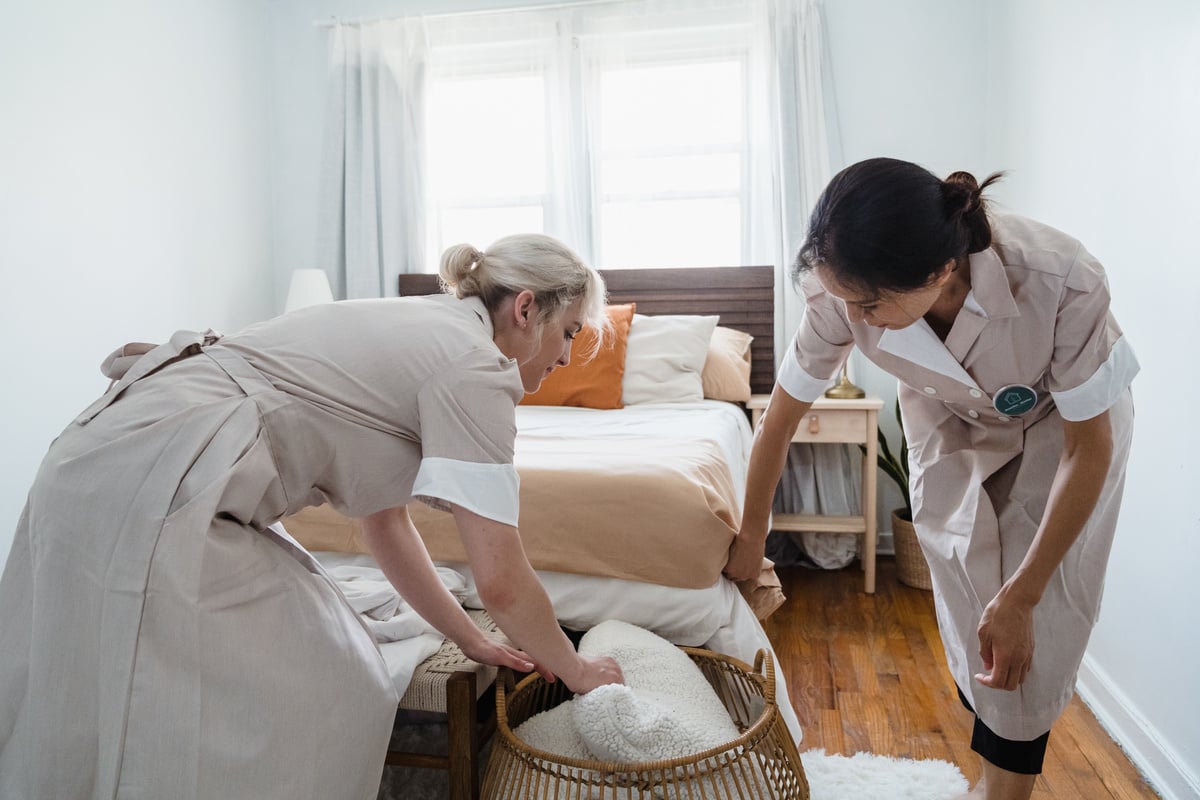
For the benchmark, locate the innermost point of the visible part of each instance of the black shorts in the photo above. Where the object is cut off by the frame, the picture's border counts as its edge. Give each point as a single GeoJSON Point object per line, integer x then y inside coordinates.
{"type": "Point", "coordinates": [1025, 758]}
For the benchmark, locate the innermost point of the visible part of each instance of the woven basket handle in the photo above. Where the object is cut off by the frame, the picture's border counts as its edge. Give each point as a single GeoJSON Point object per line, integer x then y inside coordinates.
{"type": "Point", "coordinates": [506, 681]}
{"type": "Point", "coordinates": [764, 665]}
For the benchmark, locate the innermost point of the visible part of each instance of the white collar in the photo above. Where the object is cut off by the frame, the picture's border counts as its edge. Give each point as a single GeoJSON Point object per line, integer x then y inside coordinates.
{"type": "Point", "coordinates": [920, 345]}
{"type": "Point", "coordinates": [990, 298]}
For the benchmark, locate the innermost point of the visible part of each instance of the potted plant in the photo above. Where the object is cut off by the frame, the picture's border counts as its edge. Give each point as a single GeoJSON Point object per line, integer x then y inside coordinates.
{"type": "Point", "coordinates": [911, 566]}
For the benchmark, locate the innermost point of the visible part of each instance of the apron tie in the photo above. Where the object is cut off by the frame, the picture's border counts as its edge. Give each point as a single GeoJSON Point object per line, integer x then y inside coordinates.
{"type": "Point", "coordinates": [240, 370]}
{"type": "Point", "coordinates": [182, 344]}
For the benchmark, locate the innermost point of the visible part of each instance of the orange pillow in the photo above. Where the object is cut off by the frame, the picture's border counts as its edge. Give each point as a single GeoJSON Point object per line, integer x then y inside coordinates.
{"type": "Point", "coordinates": [592, 384]}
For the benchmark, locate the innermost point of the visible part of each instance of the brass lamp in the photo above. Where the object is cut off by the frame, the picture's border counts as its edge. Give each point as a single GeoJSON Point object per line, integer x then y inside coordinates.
{"type": "Point", "coordinates": [844, 389]}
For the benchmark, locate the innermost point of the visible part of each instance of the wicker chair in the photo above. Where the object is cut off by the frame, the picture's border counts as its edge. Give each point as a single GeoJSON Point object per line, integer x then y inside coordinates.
{"type": "Point", "coordinates": [451, 684]}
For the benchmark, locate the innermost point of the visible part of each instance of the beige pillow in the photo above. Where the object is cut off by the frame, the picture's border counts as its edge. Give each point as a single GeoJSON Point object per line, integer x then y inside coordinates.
{"type": "Point", "coordinates": [726, 374]}
{"type": "Point", "coordinates": [664, 357]}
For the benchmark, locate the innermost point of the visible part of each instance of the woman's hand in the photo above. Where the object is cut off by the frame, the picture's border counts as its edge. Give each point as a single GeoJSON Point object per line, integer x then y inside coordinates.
{"type": "Point", "coordinates": [1006, 629]}
{"type": "Point", "coordinates": [511, 592]}
{"type": "Point", "coordinates": [595, 672]}
{"type": "Point", "coordinates": [768, 454]}
{"type": "Point", "coordinates": [489, 651]}
{"type": "Point", "coordinates": [745, 558]}
{"type": "Point", "coordinates": [1006, 641]}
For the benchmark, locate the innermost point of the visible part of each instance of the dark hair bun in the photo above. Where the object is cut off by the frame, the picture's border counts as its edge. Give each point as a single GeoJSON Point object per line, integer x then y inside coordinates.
{"type": "Point", "coordinates": [963, 196]}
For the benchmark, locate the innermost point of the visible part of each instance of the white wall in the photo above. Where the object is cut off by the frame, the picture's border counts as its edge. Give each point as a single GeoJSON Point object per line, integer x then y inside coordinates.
{"type": "Point", "coordinates": [1096, 111]}
{"type": "Point", "coordinates": [900, 94]}
{"type": "Point", "coordinates": [134, 197]}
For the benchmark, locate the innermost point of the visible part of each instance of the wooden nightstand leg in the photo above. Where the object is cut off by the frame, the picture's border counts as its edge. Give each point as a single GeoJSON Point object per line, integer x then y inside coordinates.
{"type": "Point", "coordinates": [870, 470]}
{"type": "Point", "coordinates": [463, 734]}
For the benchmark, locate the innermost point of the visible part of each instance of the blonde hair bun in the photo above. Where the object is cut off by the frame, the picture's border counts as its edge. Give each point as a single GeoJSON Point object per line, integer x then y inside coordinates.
{"type": "Point", "coordinates": [542, 264]}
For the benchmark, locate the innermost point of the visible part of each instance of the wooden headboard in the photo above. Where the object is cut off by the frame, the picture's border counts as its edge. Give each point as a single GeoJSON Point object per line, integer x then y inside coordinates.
{"type": "Point", "coordinates": [743, 298]}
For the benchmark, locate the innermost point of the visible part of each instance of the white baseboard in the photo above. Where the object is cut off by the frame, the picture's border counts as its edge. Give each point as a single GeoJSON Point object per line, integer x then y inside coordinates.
{"type": "Point", "coordinates": [885, 545]}
{"type": "Point", "coordinates": [1159, 763]}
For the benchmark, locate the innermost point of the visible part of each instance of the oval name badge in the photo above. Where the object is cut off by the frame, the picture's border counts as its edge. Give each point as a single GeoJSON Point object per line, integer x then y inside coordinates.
{"type": "Point", "coordinates": [1014, 400]}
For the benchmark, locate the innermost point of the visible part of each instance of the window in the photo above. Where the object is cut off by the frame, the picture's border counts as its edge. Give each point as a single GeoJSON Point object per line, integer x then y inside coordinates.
{"type": "Point", "coordinates": [487, 140]}
{"type": "Point", "coordinates": [631, 147]}
{"type": "Point", "coordinates": [668, 158]}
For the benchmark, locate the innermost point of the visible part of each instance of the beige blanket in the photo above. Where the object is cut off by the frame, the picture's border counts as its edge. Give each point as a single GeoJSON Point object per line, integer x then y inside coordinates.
{"type": "Point", "coordinates": [653, 510]}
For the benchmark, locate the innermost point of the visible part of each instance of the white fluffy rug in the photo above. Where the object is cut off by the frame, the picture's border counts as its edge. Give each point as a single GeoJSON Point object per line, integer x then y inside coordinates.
{"type": "Point", "coordinates": [865, 776]}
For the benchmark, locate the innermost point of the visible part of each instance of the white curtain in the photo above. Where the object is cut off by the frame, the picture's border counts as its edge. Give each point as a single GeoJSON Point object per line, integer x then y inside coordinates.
{"type": "Point", "coordinates": [371, 222]}
{"type": "Point", "coordinates": [380, 214]}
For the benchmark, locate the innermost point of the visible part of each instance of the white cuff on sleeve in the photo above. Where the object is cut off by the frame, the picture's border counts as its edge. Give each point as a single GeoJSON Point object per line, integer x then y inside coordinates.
{"type": "Point", "coordinates": [1097, 394]}
{"type": "Point", "coordinates": [798, 383]}
{"type": "Point", "coordinates": [489, 490]}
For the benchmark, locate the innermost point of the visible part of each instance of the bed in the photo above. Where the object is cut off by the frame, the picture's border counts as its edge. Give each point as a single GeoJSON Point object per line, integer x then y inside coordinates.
{"type": "Point", "coordinates": [628, 512]}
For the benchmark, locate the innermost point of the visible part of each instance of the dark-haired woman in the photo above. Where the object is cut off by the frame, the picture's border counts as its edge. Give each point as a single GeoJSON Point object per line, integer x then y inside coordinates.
{"type": "Point", "coordinates": [1014, 387]}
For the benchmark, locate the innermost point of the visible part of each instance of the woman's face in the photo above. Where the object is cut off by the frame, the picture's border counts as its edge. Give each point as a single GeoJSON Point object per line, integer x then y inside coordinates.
{"type": "Point", "coordinates": [549, 345]}
{"type": "Point", "coordinates": [884, 309]}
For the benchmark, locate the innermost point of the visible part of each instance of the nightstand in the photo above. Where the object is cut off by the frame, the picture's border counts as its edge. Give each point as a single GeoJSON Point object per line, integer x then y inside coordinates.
{"type": "Point", "coordinates": [838, 422]}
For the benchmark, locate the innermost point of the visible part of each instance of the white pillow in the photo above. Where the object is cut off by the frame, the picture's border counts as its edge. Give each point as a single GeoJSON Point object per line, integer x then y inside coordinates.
{"type": "Point", "coordinates": [666, 708]}
{"type": "Point", "coordinates": [664, 358]}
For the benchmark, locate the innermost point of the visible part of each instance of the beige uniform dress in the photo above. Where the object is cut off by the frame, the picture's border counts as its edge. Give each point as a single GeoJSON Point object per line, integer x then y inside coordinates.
{"type": "Point", "coordinates": [157, 640]}
{"type": "Point", "coordinates": [1037, 315]}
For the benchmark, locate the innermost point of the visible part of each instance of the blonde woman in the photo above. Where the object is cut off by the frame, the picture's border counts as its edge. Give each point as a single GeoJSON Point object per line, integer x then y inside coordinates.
{"type": "Point", "coordinates": [159, 639]}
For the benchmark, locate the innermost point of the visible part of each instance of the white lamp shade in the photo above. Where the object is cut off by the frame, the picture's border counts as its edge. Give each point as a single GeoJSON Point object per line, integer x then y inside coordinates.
{"type": "Point", "coordinates": [309, 287]}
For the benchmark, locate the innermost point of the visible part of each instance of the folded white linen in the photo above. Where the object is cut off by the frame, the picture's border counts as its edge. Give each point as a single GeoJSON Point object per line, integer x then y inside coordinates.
{"type": "Point", "coordinates": [401, 657]}
{"type": "Point", "coordinates": [384, 611]}
{"type": "Point", "coordinates": [367, 590]}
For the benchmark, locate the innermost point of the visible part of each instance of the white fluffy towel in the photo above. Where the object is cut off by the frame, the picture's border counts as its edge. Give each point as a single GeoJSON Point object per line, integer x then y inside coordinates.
{"type": "Point", "coordinates": [666, 708]}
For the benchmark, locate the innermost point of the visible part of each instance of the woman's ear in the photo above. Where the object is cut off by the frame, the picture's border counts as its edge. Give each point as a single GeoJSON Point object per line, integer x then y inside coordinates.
{"type": "Point", "coordinates": [524, 308]}
{"type": "Point", "coordinates": [946, 272]}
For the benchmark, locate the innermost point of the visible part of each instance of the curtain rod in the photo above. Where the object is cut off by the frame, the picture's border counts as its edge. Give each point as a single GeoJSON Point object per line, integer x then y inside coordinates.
{"type": "Point", "coordinates": [332, 21]}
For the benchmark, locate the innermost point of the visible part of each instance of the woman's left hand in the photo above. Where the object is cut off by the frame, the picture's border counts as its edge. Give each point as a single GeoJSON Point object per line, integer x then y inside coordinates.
{"type": "Point", "coordinates": [1006, 642]}
{"type": "Point", "coordinates": [487, 651]}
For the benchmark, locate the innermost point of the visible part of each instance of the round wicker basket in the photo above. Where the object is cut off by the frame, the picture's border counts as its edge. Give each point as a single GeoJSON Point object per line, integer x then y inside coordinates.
{"type": "Point", "coordinates": [761, 762]}
{"type": "Point", "coordinates": [911, 567]}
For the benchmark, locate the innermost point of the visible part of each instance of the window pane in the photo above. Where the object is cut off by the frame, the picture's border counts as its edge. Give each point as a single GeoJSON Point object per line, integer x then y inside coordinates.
{"type": "Point", "coordinates": [719, 172]}
{"type": "Point", "coordinates": [671, 233]}
{"type": "Point", "coordinates": [487, 137]}
{"type": "Point", "coordinates": [482, 226]}
{"type": "Point", "coordinates": [674, 105]}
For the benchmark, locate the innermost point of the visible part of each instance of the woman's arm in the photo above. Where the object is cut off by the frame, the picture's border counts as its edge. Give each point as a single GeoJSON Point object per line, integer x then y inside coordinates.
{"type": "Point", "coordinates": [515, 598]}
{"type": "Point", "coordinates": [768, 455]}
{"type": "Point", "coordinates": [1006, 629]}
{"type": "Point", "coordinates": [394, 542]}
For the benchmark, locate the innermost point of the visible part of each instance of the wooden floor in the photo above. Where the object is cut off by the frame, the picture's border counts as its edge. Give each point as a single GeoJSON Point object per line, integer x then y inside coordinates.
{"type": "Point", "coordinates": [868, 673]}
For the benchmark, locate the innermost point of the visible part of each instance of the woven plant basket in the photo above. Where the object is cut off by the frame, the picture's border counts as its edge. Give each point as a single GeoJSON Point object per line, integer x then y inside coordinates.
{"type": "Point", "coordinates": [911, 567]}
{"type": "Point", "coordinates": [761, 763]}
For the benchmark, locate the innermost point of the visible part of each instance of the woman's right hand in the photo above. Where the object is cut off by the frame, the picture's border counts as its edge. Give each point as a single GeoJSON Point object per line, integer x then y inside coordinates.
{"type": "Point", "coordinates": [745, 560]}
{"type": "Point", "coordinates": [595, 672]}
